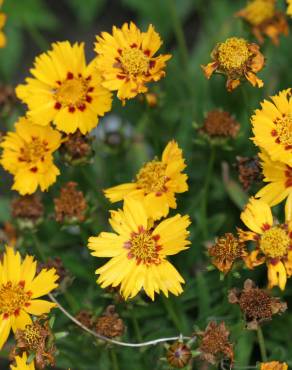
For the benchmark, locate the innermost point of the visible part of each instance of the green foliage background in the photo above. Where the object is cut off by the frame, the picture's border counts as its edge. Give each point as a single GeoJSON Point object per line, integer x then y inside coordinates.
{"type": "Point", "coordinates": [185, 97]}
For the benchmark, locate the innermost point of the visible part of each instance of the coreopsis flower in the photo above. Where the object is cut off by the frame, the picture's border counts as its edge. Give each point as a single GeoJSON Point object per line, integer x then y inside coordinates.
{"type": "Point", "coordinates": [274, 365]}
{"type": "Point", "coordinates": [139, 250]}
{"type": "Point", "coordinates": [28, 156]}
{"type": "Point", "coordinates": [225, 251]}
{"type": "Point", "coordinates": [20, 290]}
{"type": "Point", "coordinates": [214, 343]}
{"type": "Point", "coordinates": [273, 241]}
{"type": "Point", "coordinates": [126, 59]}
{"type": "Point", "coordinates": [238, 60]}
{"type": "Point", "coordinates": [279, 178]}
{"type": "Point", "coordinates": [156, 183]}
{"type": "Point", "coordinates": [21, 363]}
{"type": "Point", "coordinates": [257, 305]}
{"type": "Point", "coordinates": [178, 355]}
{"type": "Point", "coordinates": [272, 127]}
{"type": "Point", "coordinates": [265, 19]}
{"type": "Point", "coordinates": [220, 124]}
{"type": "Point", "coordinates": [249, 171]}
{"type": "Point", "coordinates": [289, 9]}
{"type": "Point", "coordinates": [65, 90]}
{"type": "Point", "coordinates": [2, 24]}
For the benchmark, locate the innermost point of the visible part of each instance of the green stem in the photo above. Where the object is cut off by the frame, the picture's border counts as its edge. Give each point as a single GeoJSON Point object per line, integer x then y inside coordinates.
{"type": "Point", "coordinates": [262, 346]}
{"type": "Point", "coordinates": [114, 358]}
{"type": "Point", "coordinates": [37, 37]}
{"type": "Point", "coordinates": [38, 247]}
{"type": "Point", "coordinates": [136, 327]}
{"type": "Point", "coordinates": [179, 33]}
{"type": "Point", "coordinates": [205, 194]}
{"type": "Point", "coordinates": [172, 314]}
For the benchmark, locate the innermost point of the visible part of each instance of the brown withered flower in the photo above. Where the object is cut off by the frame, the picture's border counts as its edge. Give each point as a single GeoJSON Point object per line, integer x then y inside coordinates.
{"type": "Point", "coordinates": [71, 204]}
{"type": "Point", "coordinates": [214, 343]}
{"type": "Point", "coordinates": [77, 148]}
{"type": "Point", "coordinates": [29, 207]}
{"type": "Point", "coordinates": [7, 99]}
{"type": "Point", "coordinates": [178, 355]}
{"type": "Point", "coordinates": [110, 324]}
{"type": "Point", "coordinates": [256, 304]}
{"type": "Point", "coordinates": [249, 171]}
{"type": "Point", "coordinates": [220, 124]}
{"type": "Point", "coordinates": [274, 365]}
{"type": "Point", "coordinates": [238, 60]}
{"type": "Point", "coordinates": [36, 338]}
{"type": "Point", "coordinates": [86, 318]}
{"type": "Point", "coordinates": [8, 234]}
{"type": "Point", "coordinates": [226, 250]}
{"type": "Point", "coordinates": [265, 20]}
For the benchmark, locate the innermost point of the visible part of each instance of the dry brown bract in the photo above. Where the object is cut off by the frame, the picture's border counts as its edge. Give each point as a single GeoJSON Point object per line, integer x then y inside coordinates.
{"type": "Point", "coordinates": [220, 124]}
{"type": "Point", "coordinates": [249, 171]}
{"type": "Point", "coordinates": [225, 251]}
{"type": "Point", "coordinates": [71, 205]}
{"type": "Point", "coordinates": [238, 60]}
{"type": "Point", "coordinates": [214, 343]}
{"type": "Point", "coordinates": [28, 207]}
{"type": "Point", "coordinates": [178, 355]}
{"type": "Point", "coordinates": [256, 304]}
{"type": "Point", "coordinates": [110, 324]}
{"type": "Point", "coordinates": [265, 20]}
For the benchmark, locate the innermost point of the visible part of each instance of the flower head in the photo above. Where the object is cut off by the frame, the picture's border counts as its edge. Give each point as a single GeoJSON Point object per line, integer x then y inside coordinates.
{"type": "Point", "coordinates": [279, 178]}
{"type": "Point", "coordinates": [65, 90]}
{"type": "Point", "coordinates": [226, 250]}
{"type": "Point", "coordinates": [289, 9]}
{"type": "Point", "coordinates": [220, 124]}
{"type": "Point", "coordinates": [126, 59]}
{"type": "Point", "coordinates": [28, 156]}
{"type": "Point", "coordinates": [20, 289]}
{"type": "Point", "coordinates": [27, 207]}
{"type": "Point", "coordinates": [272, 127]}
{"type": "Point", "coordinates": [264, 19]}
{"type": "Point", "coordinates": [274, 365]}
{"type": "Point", "coordinates": [139, 251]}
{"type": "Point", "coordinates": [178, 355]}
{"type": "Point", "coordinates": [21, 363]}
{"type": "Point", "coordinates": [249, 171]}
{"type": "Point", "coordinates": [273, 242]}
{"type": "Point", "coordinates": [110, 324]}
{"type": "Point", "coordinates": [238, 60]}
{"type": "Point", "coordinates": [156, 183]}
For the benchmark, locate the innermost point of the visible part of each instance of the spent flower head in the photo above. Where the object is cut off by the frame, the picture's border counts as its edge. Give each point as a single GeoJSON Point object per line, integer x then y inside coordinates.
{"type": "Point", "coordinates": [178, 355]}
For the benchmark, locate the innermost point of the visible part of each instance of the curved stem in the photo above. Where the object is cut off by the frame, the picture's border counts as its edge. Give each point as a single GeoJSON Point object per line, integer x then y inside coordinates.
{"type": "Point", "coordinates": [262, 346]}
{"type": "Point", "coordinates": [113, 341]}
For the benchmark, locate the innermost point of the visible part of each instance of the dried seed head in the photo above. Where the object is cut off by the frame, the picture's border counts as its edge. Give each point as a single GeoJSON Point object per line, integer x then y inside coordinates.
{"type": "Point", "coordinates": [214, 343]}
{"type": "Point", "coordinates": [178, 355]}
{"type": "Point", "coordinates": [86, 318]}
{"type": "Point", "coordinates": [256, 304]}
{"type": "Point", "coordinates": [29, 207]}
{"type": "Point", "coordinates": [225, 251]}
{"type": "Point", "coordinates": [249, 171]}
{"type": "Point", "coordinates": [71, 204]}
{"type": "Point", "coordinates": [110, 324]}
{"type": "Point", "coordinates": [220, 124]}
{"type": "Point", "coordinates": [77, 148]}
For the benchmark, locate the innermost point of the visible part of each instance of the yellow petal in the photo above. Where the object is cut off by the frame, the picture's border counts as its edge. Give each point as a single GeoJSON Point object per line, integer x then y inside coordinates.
{"type": "Point", "coordinates": [39, 307]}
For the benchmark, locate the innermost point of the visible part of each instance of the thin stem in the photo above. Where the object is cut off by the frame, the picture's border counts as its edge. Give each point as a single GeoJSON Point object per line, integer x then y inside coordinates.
{"type": "Point", "coordinates": [262, 346]}
{"type": "Point", "coordinates": [113, 341]}
{"type": "Point", "coordinates": [204, 204]}
{"type": "Point", "coordinates": [38, 247]}
{"type": "Point", "coordinates": [114, 358]}
{"type": "Point", "coordinates": [136, 327]}
{"type": "Point", "coordinates": [172, 314]}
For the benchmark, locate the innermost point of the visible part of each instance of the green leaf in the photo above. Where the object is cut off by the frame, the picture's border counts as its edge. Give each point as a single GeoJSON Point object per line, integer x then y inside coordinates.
{"type": "Point", "coordinates": [86, 13]}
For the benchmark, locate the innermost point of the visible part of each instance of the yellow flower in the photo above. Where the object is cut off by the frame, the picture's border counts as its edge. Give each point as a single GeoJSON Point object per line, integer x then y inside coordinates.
{"type": "Point", "coordinates": [279, 177]}
{"type": "Point", "coordinates": [274, 365]}
{"type": "Point", "coordinates": [20, 289]}
{"type": "Point", "coordinates": [64, 90]}
{"type": "Point", "coordinates": [238, 60]}
{"type": "Point", "coordinates": [156, 183]}
{"type": "Point", "coordinates": [272, 241]}
{"type": "Point", "coordinates": [139, 251]}
{"type": "Point", "coordinates": [2, 24]}
{"type": "Point", "coordinates": [28, 156]}
{"type": "Point", "coordinates": [289, 9]}
{"type": "Point", "coordinates": [21, 363]}
{"type": "Point", "coordinates": [272, 127]}
{"type": "Point", "coordinates": [126, 59]}
{"type": "Point", "coordinates": [265, 19]}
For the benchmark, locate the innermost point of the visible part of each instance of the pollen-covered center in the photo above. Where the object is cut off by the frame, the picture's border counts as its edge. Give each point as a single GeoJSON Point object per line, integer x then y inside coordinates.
{"type": "Point", "coordinates": [134, 61]}
{"type": "Point", "coordinates": [34, 150]}
{"type": "Point", "coordinates": [32, 336]}
{"type": "Point", "coordinates": [13, 298]}
{"type": "Point", "coordinates": [72, 92]}
{"type": "Point", "coordinates": [233, 53]}
{"type": "Point", "coordinates": [284, 129]}
{"type": "Point", "coordinates": [259, 11]}
{"type": "Point", "coordinates": [143, 247]}
{"type": "Point", "coordinates": [152, 177]}
{"type": "Point", "coordinates": [275, 242]}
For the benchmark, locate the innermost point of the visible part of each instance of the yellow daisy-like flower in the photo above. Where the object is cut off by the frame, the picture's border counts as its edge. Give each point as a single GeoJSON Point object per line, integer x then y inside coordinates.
{"type": "Point", "coordinates": [21, 363]}
{"type": "Point", "coordinates": [156, 183]}
{"type": "Point", "coordinates": [126, 59]}
{"type": "Point", "coordinates": [274, 365]}
{"type": "Point", "coordinates": [279, 177]}
{"type": "Point", "coordinates": [273, 242]}
{"type": "Point", "coordinates": [65, 90]}
{"type": "Point", "coordinates": [20, 289]}
{"type": "Point", "coordinates": [139, 251]}
{"type": "Point", "coordinates": [289, 9]}
{"type": "Point", "coordinates": [2, 24]}
{"type": "Point", "coordinates": [28, 156]}
{"type": "Point", "coordinates": [272, 127]}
